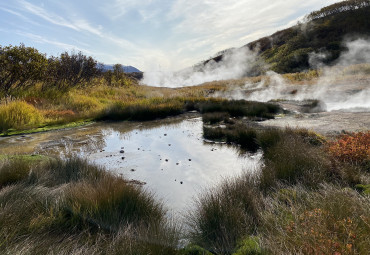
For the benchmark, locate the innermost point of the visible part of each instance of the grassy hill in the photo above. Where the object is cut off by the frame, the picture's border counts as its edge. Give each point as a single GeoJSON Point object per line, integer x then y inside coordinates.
{"type": "Point", "coordinates": [323, 31]}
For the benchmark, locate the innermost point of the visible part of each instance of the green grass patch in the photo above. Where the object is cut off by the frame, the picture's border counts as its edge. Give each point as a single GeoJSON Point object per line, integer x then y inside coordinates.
{"type": "Point", "coordinates": [75, 124]}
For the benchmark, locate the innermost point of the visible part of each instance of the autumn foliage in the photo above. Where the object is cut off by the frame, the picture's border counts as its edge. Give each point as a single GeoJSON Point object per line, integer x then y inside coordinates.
{"type": "Point", "coordinates": [352, 148]}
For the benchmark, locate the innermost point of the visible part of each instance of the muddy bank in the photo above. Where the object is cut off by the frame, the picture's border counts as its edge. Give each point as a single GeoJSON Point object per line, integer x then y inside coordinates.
{"type": "Point", "coordinates": [326, 123]}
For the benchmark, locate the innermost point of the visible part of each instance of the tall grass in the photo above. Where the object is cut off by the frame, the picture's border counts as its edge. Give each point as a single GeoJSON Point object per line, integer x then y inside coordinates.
{"type": "Point", "coordinates": [70, 206]}
{"type": "Point", "coordinates": [240, 108]}
{"type": "Point", "coordinates": [148, 109]}
{"type": "Point", "coordinates": [19, 115]}
{"type": "Point", "coordinates": [13, 171]}
{"type": "Point", "coordinates": [292, 160]}
{"type": "Point", "coordinates": [224, 215]}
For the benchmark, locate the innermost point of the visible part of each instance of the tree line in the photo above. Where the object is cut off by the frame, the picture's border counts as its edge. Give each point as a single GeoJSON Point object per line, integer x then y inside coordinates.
{"type": "Point", "coordinates": [22, 67]}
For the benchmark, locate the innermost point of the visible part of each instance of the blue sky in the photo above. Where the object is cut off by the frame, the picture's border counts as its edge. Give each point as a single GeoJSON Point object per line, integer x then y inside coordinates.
{"type": "Point", "coordinates": [148, 34]}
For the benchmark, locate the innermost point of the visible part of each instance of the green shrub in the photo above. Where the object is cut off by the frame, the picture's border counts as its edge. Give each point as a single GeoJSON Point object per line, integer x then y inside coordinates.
{"type": "Point", "coordinates": [19, 115]}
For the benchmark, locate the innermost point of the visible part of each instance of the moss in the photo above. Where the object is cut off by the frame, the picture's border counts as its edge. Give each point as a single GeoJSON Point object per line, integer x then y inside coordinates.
{"type": "Point", "coordinates": [363, 188]}
{"type": "Point", "coordinates": [12, 132]}
{"type": "Point", "coordinates": [249, 246]}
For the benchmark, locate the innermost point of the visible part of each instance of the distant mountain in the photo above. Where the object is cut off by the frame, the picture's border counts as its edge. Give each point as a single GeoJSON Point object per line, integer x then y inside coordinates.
{"type": "Point", "coordinates": [126, 69]}
{"type": "Point", "coordinates": [323, 32]}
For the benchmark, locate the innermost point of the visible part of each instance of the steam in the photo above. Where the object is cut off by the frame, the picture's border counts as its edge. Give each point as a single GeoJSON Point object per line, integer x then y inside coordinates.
{"type": "Point", "coordinates": [335, 93]}
{"type": "Point", "coordinates": [235, 64]}
{"type": "Point", "coordinates": [353, 95]}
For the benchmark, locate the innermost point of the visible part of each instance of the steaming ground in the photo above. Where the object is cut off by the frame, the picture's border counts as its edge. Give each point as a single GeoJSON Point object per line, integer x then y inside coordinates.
{"type": "Point", "coordinates": [330, 105]}
{"type": "Point", "coordinates": [333, 94]}
{"type": "Point", "coordinates": [335, 102]}
{"type": "Point", "coordinates": [236, 63]}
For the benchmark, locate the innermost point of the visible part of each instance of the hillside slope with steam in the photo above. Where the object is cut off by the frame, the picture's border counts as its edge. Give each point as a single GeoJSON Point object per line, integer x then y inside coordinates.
{"type": "Point", "coordinates": [320, 39]}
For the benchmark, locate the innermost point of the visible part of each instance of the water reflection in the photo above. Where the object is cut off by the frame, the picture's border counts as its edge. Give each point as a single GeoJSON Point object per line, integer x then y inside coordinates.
{"type": "Point", "coordinates": [170, 156]}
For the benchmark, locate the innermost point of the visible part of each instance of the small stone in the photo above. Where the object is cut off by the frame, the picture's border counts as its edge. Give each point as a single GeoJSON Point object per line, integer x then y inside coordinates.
{"type": "Point", "coordinates": [165, 134]}
{"type": "Point", "coordinates": [169, 144]}
{"type": "Point", "coordinates": [123, 158]}
{"type": "Point", "coordinates": [133, 170]}
{"type": "Point", "coordinates": [181, 182]}
{"type": "Point", "coordinates": [121, 151]}
{"type": "Point", "coordinates": [166, 160]}
{"type": "Point", "coordinates": [122, 148]}
{"type": "Point", "coordinates": [138, 149]}
{"type": "Point", "coordinates": [177, 164]}
{"type": "Point", "coordinates": [189, 159]}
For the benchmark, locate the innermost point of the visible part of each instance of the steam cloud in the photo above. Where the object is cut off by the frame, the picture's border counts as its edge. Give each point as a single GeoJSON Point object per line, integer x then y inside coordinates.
{"type": "Point", "coordinates": [336, 95]}
{"type": "Point", "coordinates": [235, 64]}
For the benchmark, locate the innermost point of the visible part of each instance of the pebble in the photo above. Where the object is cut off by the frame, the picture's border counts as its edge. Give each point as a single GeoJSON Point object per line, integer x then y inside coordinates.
{"type": "Point", "coordinates": [181, 182]}
{"type": "Point", "coordinates": [133, 170]}
{"type": "Point", "coordinates": [166, 160]}
{"type": "Point", "coordinates": [121, 151]}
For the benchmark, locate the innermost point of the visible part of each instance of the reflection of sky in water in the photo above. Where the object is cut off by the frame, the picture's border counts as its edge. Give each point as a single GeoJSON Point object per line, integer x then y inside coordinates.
{"type": "Point", "coordinates": [146, 152]}
{"type": "Point", "coordinates": [146, 148]}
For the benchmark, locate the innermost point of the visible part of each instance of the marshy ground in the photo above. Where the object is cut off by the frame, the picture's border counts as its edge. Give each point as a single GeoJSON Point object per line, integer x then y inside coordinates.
{"type": "Point", "coordinates": [302, 191]}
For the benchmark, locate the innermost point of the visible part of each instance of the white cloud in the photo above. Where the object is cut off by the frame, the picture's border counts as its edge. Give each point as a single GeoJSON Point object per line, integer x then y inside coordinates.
{"type": "Point", "coordinates": [233, 23]}
{"type": "Point", "coordinates": [64, 46]}
{"type": "Point", "coordinates": [193, 30]}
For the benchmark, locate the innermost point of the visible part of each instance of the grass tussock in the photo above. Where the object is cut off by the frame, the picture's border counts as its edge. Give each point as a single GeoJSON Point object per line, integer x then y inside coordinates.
{"type": "Point", "coordinates": [241, 108]}
{"type": "Point", "coordinates": [292, 160]}
{"type": "Point", "coordinates": [70, 206]}
{"type": "Point", "coordinates": [110, 203]}
{"type": "Point", "coordinates": [216, 117]}
{"type": "Point", "coordinates": [13, 171]}
{"type": "Point", "coordinates": [225, 215]}
{"type": "Point", "coordinates": [237, 134]}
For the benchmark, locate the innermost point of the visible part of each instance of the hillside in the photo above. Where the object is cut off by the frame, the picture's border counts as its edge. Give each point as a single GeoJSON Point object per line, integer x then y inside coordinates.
{"type": "Point", "coordinates": [323, 31]}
